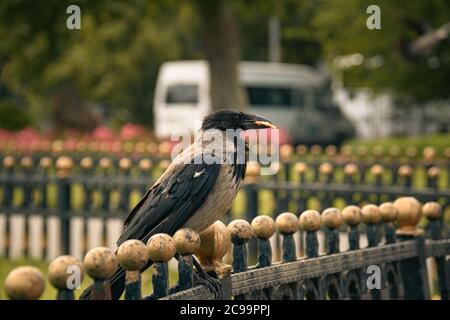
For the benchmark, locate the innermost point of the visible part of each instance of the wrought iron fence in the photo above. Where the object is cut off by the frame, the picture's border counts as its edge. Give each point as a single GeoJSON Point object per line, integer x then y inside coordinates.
{"type": "Point", "coordinates": [392, 266]}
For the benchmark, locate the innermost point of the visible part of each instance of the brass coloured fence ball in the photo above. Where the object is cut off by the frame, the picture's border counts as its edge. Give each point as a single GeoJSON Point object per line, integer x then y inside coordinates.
{"type": "Point", "coordinates": [128, 147]}
{"type": "Point", "coordinates": [316, 150]}
{"type": "Point", "coordinates": [429, 153]}
{"type": "Point", "coordinates": [145, 164]}
{"type": "Point", "coordinates": [215, 242]}
{"type": "Point", "coordinates": [301, 149]}
{"type": "Point", "coordinates": [331, 150]}
{"type": "Point", "coordinates": [60, 270]}
{"type": "Point", "coordinates": [161, 247]}
{"type": "Point", "coordinates": [388, 211]}
{"type": "Point", "coordinates": [253, 169]}
{"type": "Point", "coordinates": [409, 212]}
{"type": "Point", "coordinates": [447, 152]}
{"type": "Point", "coordinates": [370, 214]}
{"type": "Point", "coordinates": [116, 147]}
{"type": "Point", "coordinates": [377, 169]}
{"type": "Point", "coordinates": [433, 172]}
{"type": "Point", "coordinates": [351, 215]}
{"type": "Point", "coordinates": [26, 162]}
{"type": "Point", "coordinates": [300, 167]}
{"type": "Point", "coordinates": [105, 146]}
{"type": "Point", "coordinates": [351, 169]}
{"type": "Point", "coordinates": [152, 148]}
{"type": "Point", "coordinates": [105, 163]}
{"type": "Point", "coordinates": [405, 170]}
{"type": "Point", "coordinates": [187, 241]}
{"type": "Point", "coordinates": [24, 283]}
{"type": "Point", "coordinates": [362, 151]}
{"type": "Point", "coordinates": [378, 151]}
{"type": "Point", "coordinates": [326, 168]}
{"type": "Point", "coordinates": [64, 165]}
{"type": "Point", "coordinates": [164, 148]}
{"type": "Point", "coordinates": [310, 220]}
{"type": "Point", "coordinates": [100, 263]}
{"type": "Point", "coordinates": [394, 151]}
{"type": "Point", "coordinates": [286, 151]}
{"type": "Point", "coordinates": [57, 146]}
{"type": "Point", "coordinates": [287, 223]}
{"type": "Point", "coordinates": [331, 218]}
{"type": "Point", "coordinates": [46, 162]}
{"type": "Point", "coordinates": [81, 146]}
{"type": "Point", "coordinates": [164, 164]}
{"type": "Point", "coordinates": [87, 163]}
{"type": "Point", "coordinates": [125, 163]}
{"type": "Point", "coordinates": [263, 227]}
{"type": "Point", "coordinates": [140, 147]}
{"type": "Point", "coordinates": [432, 210]}
{"type": "Point", "coordinates": [240, 231]}
{"type": "Point", "coordinates": [346, 150]}
{"type": "Point", "coordinates": [93, 146]}
{"type": "Point", "coordinates": [411, 151]}
{"type": "Point", "coordinates": [132, 255]}
{"type": "Point", "coordinates": [9, 161]}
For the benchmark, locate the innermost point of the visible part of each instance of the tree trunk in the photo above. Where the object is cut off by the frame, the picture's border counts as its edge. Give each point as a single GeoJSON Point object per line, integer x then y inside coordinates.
{"type": "Point", "coordinates": [222, 51]}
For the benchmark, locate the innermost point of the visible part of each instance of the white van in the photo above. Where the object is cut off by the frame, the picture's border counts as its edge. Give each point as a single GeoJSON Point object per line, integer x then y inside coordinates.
{"type": "Point", "coordinates": [296, 98]}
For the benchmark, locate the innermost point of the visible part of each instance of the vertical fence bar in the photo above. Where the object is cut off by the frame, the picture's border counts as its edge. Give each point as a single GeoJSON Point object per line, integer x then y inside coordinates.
{"type": "Point", "coordinates": [64, 166]}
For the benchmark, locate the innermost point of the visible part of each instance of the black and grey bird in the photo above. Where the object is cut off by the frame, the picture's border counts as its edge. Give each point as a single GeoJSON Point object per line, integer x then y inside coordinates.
{"type": "Point", "coordinates": [197, 188]}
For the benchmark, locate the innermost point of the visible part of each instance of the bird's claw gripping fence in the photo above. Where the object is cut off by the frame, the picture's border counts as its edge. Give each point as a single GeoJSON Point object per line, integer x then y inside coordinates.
{"type": "Point", "coordinates": [396, 247]}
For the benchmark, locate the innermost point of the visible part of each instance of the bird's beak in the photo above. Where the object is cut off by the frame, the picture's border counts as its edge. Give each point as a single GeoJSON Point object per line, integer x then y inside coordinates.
{"type": "Point", "coordinates": [256, 122]}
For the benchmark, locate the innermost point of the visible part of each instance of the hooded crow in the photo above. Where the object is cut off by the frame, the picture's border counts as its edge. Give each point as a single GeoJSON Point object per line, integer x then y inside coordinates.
{"type": "Point", "coordinates": [197, 188]}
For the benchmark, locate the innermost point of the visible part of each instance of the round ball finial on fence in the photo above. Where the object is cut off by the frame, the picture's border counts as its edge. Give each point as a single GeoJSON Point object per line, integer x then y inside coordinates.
{"type": "Point", "coordinates": [164, 148]}
{"type": "Point", "coordinates": [330, 150]}
{"type": "Point", "coordinates": [24, 283]}
{"type": "Point", "coordinates": [300, 167]}
{"type": "Point", "coordinates": [371, 214]}
{"type": "Point", "coordinates": [9, 161]}
{"type": "Point", "coordinates": [59, 274]}
{"type": "Point", "coordinates": [125, 163]}
{"type": "Point", "coordinates": [429, 153]}
{"type": "Point", "coordinates": [405, 170]}
{"type": "Point", "coordinates": [447, 152]}
{"type": "Point", "coordinates": [263, 227]}
{"type": "Point", "coordinates": [105, 163]}
{"type": "Point", "coordinates": [240, 231]}
{"type": "Point", "coordinates": [378, 151]}
{"type": "Point", "coordinates": [411, 151]}
{"type": "Point", "coordinates": [57, 146]}
{"type": "Point", "coordinates": [351, 215]}
{"type": "Point", "coordinates": [351, 169]}
{"type": "Point", "coordinates": [394, 151]}
{"type": "Point", "coordinates": [315, 150]}
{"type": "Point", "coordinates": [331, 218]}
{"type": "Point", "coordinates": [64, 166]}
{"type": "Point", "coordinates": [433, 172]}
{"type": "Point", "coordinates": [145, 164]}
{"type": "Point", "coordinates": [252, 171]}
{"type": "Point", "coordinates": [388, 211]}
{"type": "Point", "coordinates": [100, 263]}
{"type": "Point", "coordinates": [164, 164]}
{"type": "Point", "coordinates": [362, 151]}
{"type": "Point", "coordinates": [377, 169]}
{"type": "Point", "coordinates": [161, 247]}
{"type": "Point", "coordinates": [87, 163]}
{"type": "Point", "coordinates": [287, 223]}
{"type": "Point", "coordinates": [432, 210]}
{"type": "Point", "coordinates": [132, 255]}
{"type": "Point", "coordinates": [215, 242]}
{"type": "Point", "coordinates": [26, 162]}
{"type": "Point", "coordinates": [187, 241]}
{"type": "Point", "coordinates": [46, 162]}
{"type": "Point", "coordinates": [409, 214]}
{"type": "Point", "coordinates": [310, 220]}
{"type": "Point", "coordinates": [286, 151]}
{"type": "Point", "coordinates": [140, 147]}
{"type": "Point", "coordinates": [301, 150]}
{"type": "Point", "coordinates": [326, 168]}
{"type": "Point", "coordinates": [128, 147]}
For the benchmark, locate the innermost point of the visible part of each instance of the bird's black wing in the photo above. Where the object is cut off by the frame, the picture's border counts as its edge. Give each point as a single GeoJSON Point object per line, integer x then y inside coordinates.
{"type": "Point", "coordinates": [172, 201]}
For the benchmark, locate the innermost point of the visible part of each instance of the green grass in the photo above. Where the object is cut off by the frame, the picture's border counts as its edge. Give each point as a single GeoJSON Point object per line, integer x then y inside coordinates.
{"type": "Point", "coordinates": [438, 141]}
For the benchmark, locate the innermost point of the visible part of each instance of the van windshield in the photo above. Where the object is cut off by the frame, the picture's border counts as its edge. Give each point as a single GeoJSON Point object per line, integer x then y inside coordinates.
{"type": "Point", "coordinates": [274, 96]}
{"type": "Point", "coordinates": [182, 93]}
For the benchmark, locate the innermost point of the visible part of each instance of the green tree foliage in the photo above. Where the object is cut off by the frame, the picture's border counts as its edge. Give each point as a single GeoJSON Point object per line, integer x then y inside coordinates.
{"type": "Point", "coordinates": [341, 29]}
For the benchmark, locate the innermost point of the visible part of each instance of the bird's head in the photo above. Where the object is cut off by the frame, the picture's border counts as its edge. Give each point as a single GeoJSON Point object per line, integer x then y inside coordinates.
{"type": "Point", "coordinates": [235, 120]}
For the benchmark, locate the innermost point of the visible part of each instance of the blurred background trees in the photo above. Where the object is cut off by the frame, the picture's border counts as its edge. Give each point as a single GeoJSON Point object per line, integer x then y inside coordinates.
{"type": "Point", "coordinates": [106, 72]}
